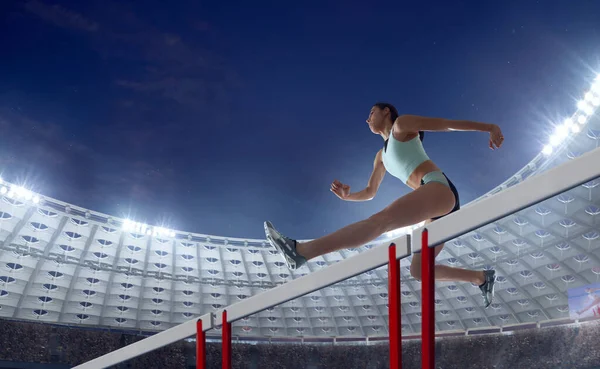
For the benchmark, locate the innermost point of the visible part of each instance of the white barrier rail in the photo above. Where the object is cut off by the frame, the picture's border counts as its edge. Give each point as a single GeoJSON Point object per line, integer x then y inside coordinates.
{"type": "Point", "coordinates": [371, 259]}
{"type": "Point", "coordinates": [151, 343]}
{"type": "Point", "coordinates": [522, 195]}
{"type": "Point", "coordinates": [342, 270]}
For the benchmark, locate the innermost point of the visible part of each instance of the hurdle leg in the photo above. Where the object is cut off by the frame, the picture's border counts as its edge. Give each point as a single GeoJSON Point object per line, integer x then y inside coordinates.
{"type": "Point", "coordinates": [226, 342]}
{"type": "Point", "coordinates": [200, 346]}
{"type": "Point", "coordinates": [395, 318]}
{"type": "Point", "coordinates": [427, 305]}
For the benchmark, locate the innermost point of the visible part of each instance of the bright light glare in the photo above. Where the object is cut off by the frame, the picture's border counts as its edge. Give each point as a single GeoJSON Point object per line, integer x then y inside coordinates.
{"type": "Point", "coordinates": [36, 199]}
{"type": "Point", "coordinates": [129, 225]}
{"type": "Point", "coordinates": [562, 131]}
{"type": "Point", "coordinates": [575, 129]}
{"type": "Point", "coordinates": [140, 228]}
{"type": "Point", "coordinates": [568, 122]}
{"type": "Point", "coordinates": [161, 232]}
{"type": "Point", "coordinates": [20, 191]}
{"type": "Point", "coordinates": [559, 135]}
{"type": "Point", "coordinates": [585, 107]}
{"type": "Point", "coordinates": [588, 109]}
{"type": "Point", "coordinates": [547, 150]}
{"type": "Point", "coordinates": [555, 140]}
{"type": "Point", "coordinates": [582, 119]}
{"type": "Point", "coordinates": [589, 96]}
{"type": "Point", "coordinates": [3, 190]}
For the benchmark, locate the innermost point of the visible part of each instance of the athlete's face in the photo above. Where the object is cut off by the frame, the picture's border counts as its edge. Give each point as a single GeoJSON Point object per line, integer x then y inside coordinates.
{"type": "Point", "coordinates": [376, 120]}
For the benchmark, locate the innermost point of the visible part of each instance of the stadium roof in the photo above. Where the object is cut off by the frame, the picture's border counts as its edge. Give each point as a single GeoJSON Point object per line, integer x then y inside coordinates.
{"type": "Point", "coordinates": [61, 263]}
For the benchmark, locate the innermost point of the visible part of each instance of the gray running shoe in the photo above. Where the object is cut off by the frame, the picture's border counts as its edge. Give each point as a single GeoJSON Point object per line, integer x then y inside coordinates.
{"type": "Point", "coordinates": [285, 245]}
{"type": "Point", "coordinates": [487, 288]}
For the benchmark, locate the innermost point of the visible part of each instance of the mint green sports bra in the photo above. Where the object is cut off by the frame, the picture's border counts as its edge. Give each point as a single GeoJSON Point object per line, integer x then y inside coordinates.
{"type": "Point", "coordinates": [402, 158]}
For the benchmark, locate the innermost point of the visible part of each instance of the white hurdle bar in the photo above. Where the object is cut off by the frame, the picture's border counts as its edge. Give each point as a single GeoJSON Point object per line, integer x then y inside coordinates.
{"type": "Point", "coordinates": [344, 269]}
{"type": "Point", "coordinates": [164, 338]}
{"type": "Point", "coordinates": [371, 259]}
{"type": "Point", "coordinates": [521, 196]}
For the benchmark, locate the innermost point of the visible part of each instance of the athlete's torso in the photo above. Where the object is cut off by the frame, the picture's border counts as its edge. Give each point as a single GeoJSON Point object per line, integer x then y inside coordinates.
{"type": "Point", "coordinates": [594, 294]}
{"type": "Point", "coordinates": [402, 158]}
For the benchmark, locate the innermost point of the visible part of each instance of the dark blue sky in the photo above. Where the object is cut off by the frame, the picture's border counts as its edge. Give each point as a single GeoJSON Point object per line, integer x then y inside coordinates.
{"type": "Point", "coordinates": [215, 117]}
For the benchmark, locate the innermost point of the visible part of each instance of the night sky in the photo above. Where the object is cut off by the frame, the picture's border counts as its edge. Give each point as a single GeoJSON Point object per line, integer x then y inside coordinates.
{"type": "Point", "coordinates": [212, 117]}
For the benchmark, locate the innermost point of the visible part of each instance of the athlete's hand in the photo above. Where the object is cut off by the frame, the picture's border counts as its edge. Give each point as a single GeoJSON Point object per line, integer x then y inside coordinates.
{"type": "Point", "coordinates": [496, 137]}
{"type": "Point", "coordinates": [340, 190]}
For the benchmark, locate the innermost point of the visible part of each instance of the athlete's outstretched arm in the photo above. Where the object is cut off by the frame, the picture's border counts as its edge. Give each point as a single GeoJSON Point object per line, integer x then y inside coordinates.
{"type": "Point", "coordinates": [415, 123]}
{"type": "Point", "coordinates": [591, 305]}
{"type": "Point", "coordinates": [343, 191]}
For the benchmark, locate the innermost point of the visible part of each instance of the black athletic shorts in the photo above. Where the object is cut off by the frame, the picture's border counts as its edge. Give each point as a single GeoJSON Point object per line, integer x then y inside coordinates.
{"type": "Point", "coordinates": [455, 192]}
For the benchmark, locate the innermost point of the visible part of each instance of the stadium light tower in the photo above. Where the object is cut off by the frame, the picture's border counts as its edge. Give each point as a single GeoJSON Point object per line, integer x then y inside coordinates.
{"type": "Point", "coordinates": [585, 110]}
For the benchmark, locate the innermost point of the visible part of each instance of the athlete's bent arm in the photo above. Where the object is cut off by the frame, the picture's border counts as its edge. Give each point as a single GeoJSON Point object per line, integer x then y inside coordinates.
{"type": "Point", "coordinates": [415, 123]}
{"type": "Point", "coordinates": [374, 181]}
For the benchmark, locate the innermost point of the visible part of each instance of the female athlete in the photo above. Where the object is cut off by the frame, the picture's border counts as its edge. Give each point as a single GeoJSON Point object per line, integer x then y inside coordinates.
{"type": "Point", "coordinates": [434, 195]}
{"type": "Point", "coordinates": [594, 300]}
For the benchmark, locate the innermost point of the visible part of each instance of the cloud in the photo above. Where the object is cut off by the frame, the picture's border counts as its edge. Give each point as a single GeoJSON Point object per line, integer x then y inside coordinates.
{"type": "Point", "coordinates": [194, 78]}
{"type": "Point", "coordinates": [160, 64]}
{"type": "Point", "coordinates": [61, 17]}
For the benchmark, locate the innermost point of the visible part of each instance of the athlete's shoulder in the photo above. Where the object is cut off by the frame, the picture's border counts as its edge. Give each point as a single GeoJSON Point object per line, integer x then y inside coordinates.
{"type": "Point", "coordinates": [404, 128]}
{"type": "Point", "coordinates": [406, 124]}
{"type": "Point", "coordinates": [379, 155]}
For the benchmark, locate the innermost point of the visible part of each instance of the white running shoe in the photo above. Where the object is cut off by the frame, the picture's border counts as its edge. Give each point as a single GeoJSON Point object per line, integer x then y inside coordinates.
{"type": "Point", "coordinates": [286, 246]}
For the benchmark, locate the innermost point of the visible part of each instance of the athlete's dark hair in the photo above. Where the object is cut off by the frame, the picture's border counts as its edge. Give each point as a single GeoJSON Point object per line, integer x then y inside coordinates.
{"type": "Point", "coordinates": [394, 114]}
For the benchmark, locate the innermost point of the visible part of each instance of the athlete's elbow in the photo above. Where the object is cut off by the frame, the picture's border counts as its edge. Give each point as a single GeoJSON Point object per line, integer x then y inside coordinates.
{"type": "Point", "coordinates": [370, 193]}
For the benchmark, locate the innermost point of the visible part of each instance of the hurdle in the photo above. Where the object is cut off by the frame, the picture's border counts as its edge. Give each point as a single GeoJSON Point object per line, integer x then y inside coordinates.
{"type": "Point", "coordinates": [389, 253]}
{"type": "Point", "coordinates": [184, 330]}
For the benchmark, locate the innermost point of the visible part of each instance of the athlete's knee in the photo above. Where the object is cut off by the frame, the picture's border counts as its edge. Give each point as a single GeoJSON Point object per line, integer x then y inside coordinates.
{"type": "Point", "coordinates": [384, 220]}
{"type": "Point", "coordinates": [415, 271]}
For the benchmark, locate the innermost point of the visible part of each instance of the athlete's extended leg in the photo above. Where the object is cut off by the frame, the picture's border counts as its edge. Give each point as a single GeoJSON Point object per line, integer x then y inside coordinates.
{"type": "Point", "coordinates": [484, 279]}
{"type": "Point", "coordinates": [591, 305]}
{"type": "Point", "coordinates": [444, 272]}
{"type": "Point", "coordinates": [426, 202]}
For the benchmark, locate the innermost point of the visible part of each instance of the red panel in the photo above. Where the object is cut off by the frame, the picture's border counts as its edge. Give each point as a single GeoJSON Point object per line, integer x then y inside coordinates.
{"type": "Point", "coordinates": [427, 305]}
